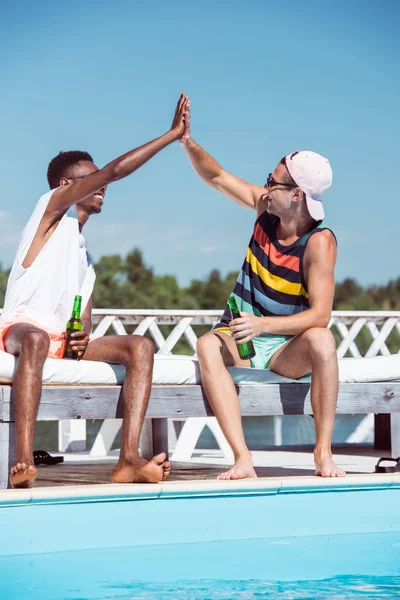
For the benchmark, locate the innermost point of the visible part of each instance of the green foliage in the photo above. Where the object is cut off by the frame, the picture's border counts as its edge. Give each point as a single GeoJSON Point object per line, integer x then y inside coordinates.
{"type": "Point", "coordinates": [3, 283]}
{"type": "Point", "coordinates": [129, 283]}
{"type": "Point", "coordinates": [213, 291]}
{"type": "Point", "coordinates": [351, 296]}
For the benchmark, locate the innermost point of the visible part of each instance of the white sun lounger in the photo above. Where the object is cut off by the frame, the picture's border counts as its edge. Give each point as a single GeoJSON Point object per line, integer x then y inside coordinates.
{"type": "Point", "coordinates": [89, 390]}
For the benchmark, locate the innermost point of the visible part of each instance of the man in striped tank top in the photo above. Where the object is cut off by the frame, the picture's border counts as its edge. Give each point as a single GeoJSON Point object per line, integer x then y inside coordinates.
{"type": "Point", "coordinates": [284, 292]}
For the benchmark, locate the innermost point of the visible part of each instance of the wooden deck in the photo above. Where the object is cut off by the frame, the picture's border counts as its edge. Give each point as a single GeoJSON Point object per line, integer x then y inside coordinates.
{"type": "Point", "coordinates": [277, 462]}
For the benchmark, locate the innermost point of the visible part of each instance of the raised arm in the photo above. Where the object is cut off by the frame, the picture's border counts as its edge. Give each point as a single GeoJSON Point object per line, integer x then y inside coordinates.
{"type": "Point", "coordinates": [241, 192]}
{"type": "Point", "coordinates": [78, 190]}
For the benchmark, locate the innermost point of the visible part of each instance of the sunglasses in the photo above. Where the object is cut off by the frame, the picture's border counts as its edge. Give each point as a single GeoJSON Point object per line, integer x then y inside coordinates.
{"type": "Point", "coordinates": [271, 181]}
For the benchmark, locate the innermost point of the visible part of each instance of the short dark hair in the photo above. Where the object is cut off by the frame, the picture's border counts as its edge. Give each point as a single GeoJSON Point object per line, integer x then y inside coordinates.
{"type": "Point", "coordinates": [287, 177]}
{"type": "Point", "coordinates": [61, 165]}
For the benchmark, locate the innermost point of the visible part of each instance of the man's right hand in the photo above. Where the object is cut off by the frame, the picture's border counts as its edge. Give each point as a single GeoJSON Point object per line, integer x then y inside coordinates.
{"type": "Point", "coordinates": [178, 124]}
{"type": "Point", "coordinates": [79, 342]}
{"type": "Point", "coordinates": [185, 139]}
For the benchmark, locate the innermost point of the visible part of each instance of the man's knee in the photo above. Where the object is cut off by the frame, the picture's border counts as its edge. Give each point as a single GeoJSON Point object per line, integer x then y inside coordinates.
{"type": "Point", "coordinates": [322, 343]}
{"type": "Point", "coordinates": [208, 347]}
{"type": "Point", "coordinates": [139, 347]}
{"type": "Point", "coordinates": [35, 344]}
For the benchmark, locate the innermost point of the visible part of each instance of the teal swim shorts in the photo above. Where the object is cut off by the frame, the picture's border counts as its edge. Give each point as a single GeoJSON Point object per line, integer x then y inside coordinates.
{"type": "Point", "coordinates": [265, 346]}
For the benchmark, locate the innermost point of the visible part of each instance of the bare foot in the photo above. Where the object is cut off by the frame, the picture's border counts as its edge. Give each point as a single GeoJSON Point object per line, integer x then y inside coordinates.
{"type": "Point", "coordinates": [143, 471]}
{"type": "Point", "coordinates": [242, 469]}
{"type": "Point", "coordinates": [326, 467]}
{"type": "Point", "coordinates": [23, 475]}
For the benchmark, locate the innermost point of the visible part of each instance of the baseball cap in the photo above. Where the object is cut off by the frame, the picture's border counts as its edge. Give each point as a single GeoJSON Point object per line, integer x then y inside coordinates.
{"type": "Point", "coordinates": [313, 174]}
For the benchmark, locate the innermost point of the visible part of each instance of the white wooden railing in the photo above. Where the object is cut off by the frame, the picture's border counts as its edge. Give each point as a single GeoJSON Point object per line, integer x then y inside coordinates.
{"type": "Point", "coordinates": [350, 325]}
{"type": "Point", "coordinates": [375, 327]}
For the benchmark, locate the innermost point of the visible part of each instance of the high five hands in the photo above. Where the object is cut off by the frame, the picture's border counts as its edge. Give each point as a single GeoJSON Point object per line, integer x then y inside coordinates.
{"type": "Point", "coordinates": [179, 126]}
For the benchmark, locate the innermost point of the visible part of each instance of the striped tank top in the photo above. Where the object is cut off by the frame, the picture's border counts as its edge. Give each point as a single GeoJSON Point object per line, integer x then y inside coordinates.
{"type": "Point", "coordinates": [271, 281]}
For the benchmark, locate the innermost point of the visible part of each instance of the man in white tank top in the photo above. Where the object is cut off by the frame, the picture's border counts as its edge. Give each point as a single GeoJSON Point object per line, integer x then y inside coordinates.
{"type": "Point", "coordinates": [51, 267]}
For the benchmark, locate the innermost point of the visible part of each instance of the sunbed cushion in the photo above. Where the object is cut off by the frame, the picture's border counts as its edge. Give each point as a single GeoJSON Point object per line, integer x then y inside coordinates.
{"type": "Point", "coordinates": [185, 370]}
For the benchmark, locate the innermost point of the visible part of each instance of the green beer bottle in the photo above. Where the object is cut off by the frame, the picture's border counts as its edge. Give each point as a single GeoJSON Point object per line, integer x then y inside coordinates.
{"type": "Point", "coordinates": [245, 350]}
{"type": "Point", "coordinates": [74, 324]}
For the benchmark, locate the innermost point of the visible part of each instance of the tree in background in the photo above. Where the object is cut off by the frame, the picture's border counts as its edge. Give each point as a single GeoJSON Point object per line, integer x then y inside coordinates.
{"type": "Point", "coordinates": [3, 283]}
{"type": "Point", "coordinates": [129, 283]}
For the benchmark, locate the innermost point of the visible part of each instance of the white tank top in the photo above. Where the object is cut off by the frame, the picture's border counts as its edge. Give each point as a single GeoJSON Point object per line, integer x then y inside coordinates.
{"type": "Point", "coordinates": [45, 291]}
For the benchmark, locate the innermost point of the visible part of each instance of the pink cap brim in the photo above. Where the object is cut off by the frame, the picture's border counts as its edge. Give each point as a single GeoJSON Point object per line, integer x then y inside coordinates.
{"type": "Point", "coordinates": [315, 208]}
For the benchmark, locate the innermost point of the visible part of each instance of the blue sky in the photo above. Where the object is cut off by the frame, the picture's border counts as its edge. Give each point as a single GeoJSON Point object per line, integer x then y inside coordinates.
{"type": "Point", "coordinates": [265, 78]}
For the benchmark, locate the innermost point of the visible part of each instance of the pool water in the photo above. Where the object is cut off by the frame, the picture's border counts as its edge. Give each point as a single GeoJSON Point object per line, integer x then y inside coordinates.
{"type": "Point", "coordinates": [334, 566]}
{"type": "Point", "coordinates": [280, 539]}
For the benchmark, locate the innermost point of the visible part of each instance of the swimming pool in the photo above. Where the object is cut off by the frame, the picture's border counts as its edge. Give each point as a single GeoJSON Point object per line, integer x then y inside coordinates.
{"type": "Point", "coordinates": [292, 538]}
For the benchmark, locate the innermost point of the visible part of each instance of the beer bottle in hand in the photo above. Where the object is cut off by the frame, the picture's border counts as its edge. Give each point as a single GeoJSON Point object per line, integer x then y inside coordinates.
{"type": "Point", "coordinates": [245, 350]}
{"type": "Point", "coordinates": [74, 324]}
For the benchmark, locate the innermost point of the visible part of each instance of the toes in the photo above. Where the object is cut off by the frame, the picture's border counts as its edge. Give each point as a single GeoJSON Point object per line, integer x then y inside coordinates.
{"type": "Point", "coordinates": [166, 469]}
{"type": "Point", "coordinates": [325, 473]}
{"type": "Point", "coordinates": [159, 458]}
{"type": "Point", "coordinates": [340, 473]}
{"type": "Point", "coordinates": [330, 471]}
{"type": "Point", "coordinates": [18, 467]}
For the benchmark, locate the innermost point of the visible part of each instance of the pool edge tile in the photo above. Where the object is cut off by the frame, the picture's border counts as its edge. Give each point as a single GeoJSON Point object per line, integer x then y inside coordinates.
{"type": "Point", "coordinates": [350, 483]}
{"type": "Point", "coordinates": [186, 489]}
{"type": "Point", "coordinates": [176, 489]}
{"type": "Point", "coordinates": [96, 493]}
{"type": "Point", "coordinates": [15, 497]}
{"type": "Point", "coordinates": [79, 493]}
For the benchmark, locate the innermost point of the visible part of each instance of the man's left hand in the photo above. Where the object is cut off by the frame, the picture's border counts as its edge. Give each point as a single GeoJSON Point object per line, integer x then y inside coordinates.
{"type": "Point", "coordinates": [246, 327]}
{"type": "Point", "coordinates": [79, 342]}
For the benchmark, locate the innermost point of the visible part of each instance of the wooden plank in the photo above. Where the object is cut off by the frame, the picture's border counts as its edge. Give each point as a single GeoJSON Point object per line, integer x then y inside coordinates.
{"type": "Point", "coordinates": [379, 341]}
{"type": "Point", "coordinates": [93, 473]}
{"type": "Point", "coordinates": [144, 325]}
{"type": "Point", "coordinates": [374, 331]}
{"type": "Point", "coordinates": [182, 401]}
{"type": "Point", "coordinates": [175, 336]}
{"type": "Point", "coordinates": [347, 342]}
